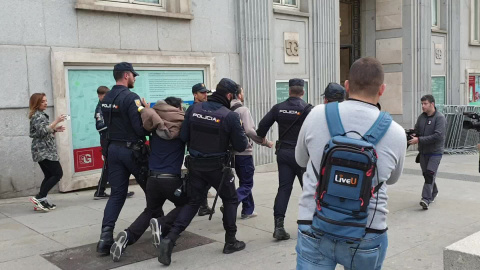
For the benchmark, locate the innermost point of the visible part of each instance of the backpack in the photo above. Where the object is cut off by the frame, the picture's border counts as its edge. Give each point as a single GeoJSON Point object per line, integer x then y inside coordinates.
{"type": "Point", "coordinates": [344, 185]}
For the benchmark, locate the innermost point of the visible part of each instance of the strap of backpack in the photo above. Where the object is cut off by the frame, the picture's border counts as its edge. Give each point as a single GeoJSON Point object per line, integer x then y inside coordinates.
{"type": "Point", "coordinates": [379, 128]}
{"type": "Point", "coordinates": [236, 106]}
{"type": "Point", "coordinates": [333, 119]}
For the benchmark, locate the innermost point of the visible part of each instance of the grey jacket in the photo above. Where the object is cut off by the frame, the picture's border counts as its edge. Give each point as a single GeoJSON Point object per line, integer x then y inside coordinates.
{"type": "Point", "coordinates": [249, 127]}
{"type": "Point", "coordinates": [431, 133]}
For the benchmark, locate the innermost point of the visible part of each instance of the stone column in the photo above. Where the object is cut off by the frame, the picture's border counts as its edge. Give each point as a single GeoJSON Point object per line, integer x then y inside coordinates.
{"type": "Point", "coordinates": [326, 46]}
{"type": "Point", "coordinates": [422, 64]}
{"type": "Point", "coordinates": [254, 19]}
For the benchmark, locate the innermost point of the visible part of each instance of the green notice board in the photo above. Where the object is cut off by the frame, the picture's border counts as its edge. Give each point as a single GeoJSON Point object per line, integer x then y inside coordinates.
{"type": "Point", "coordinates": [282, 91]}
{"type": "Point", "coordinates": [438, 90]}
{"type": "Point", "coordinates": [151, 84]}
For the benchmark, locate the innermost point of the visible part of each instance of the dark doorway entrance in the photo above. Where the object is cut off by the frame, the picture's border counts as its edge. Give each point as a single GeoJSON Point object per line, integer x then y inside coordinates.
{"type": "Point", "coordinates": [349, 36]}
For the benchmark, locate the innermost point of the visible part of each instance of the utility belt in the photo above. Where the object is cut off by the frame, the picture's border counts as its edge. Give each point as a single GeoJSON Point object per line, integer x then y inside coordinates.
{"type": "Point", "coordinates": [283, 145]}
{"type": "Point", "coordinates": [205, 164]}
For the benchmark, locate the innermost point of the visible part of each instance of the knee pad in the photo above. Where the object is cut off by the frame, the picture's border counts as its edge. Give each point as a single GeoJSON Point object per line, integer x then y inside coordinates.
{"type": "Point", "coordinates": [428, 175]}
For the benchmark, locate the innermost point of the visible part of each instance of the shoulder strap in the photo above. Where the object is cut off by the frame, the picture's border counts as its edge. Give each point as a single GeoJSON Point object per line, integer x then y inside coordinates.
{"type": "Point", "coordinates": [110, 116]}
{"type": "Point", "coordinates": [303, 115]}
{"type": "Point", "coordinates": [379, 128]}
{"type": "Point", "coordinates": [333, 119]}
{"type": "Point", "coordinates": [236, 106]}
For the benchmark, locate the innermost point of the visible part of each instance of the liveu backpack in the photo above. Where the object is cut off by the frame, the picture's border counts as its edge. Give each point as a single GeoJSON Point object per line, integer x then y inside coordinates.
{"type": "Point", "coordinates": [345, 179]}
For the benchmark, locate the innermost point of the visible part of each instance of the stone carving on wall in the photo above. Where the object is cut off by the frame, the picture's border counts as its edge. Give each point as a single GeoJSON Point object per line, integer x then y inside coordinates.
{"type": "Point", "coordinates": [292, 48]}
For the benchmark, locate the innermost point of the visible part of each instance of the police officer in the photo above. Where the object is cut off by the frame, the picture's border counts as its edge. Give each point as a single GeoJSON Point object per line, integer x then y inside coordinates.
{"type": "Point", "coordinates": [124, 131]}
{"type": "Point", "coordinates": [209, 128]}
{"type": "Point", "coordinates": [289, 115]}
{"type": "Point", "coordinates": [102, 130]}
{"type": "Point", "coordinates": [200, 92]}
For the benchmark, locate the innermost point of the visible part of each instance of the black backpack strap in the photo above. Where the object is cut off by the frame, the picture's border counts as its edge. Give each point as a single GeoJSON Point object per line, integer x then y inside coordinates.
{"type": "Point", "coordinates": [236, 106]}
{"type": "Point", "coordinates": [303, 115]}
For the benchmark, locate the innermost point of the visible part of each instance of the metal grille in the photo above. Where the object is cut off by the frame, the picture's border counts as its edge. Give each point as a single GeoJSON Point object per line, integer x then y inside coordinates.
{"type": "Point", "coordinates": [459, 140]}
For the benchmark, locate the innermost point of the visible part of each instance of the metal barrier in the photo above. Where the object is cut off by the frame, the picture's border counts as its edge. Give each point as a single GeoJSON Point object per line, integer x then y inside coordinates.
{"type": "Point", "coordinates": [459, 140]}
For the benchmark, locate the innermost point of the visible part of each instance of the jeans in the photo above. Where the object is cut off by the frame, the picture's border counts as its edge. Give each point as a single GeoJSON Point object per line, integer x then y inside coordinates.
{"type": "Point", "coordinates": [53, 173]}
{"type": "Point", "coordinates": [315, 251]}
{"type": "Point", "coordinates": [157, 192]}
{"type": "Point", "coordinates": [244, 168]}
{"type": "Point", "coordinates": [429, 165]}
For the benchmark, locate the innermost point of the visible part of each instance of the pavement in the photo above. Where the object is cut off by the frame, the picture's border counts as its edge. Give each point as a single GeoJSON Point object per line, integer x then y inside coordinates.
{"type": "Point", "coordinates": [416, 237]}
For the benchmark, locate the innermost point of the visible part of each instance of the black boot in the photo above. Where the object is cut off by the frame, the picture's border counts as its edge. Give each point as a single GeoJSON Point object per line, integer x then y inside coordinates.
{"type": "Point", "coordinates": [165, 250]}
{"type": "Point", "coordinates": [280, 233]}
{"type": "Point", "coordinates": [233, 246]}
{"type": "Point", "coordinates": [106, 241]}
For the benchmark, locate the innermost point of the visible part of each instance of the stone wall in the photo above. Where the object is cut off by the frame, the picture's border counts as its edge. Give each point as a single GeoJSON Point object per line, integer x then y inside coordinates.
{"type": "Point", "coordinates": [31, 29]}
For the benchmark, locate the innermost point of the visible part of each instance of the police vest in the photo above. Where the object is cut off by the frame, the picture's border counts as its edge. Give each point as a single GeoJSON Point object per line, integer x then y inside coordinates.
{"type": "Point", "coordinates": [119, 126]}
{"type": "Point", "coordinates": [207, 130]}
{"type": "Point", "coordinates": [286, 115]}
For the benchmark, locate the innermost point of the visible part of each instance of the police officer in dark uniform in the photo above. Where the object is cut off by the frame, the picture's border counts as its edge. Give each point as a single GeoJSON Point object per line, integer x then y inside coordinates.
{"type": "Point", "coordinates": [289, 115]}
{"type": "Point", "coordinates": [125, 134]}
{"type": "Point", "coordinates": [209, 128]}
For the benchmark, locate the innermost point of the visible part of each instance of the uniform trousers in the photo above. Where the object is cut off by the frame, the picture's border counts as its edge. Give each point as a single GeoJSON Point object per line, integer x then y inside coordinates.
{"type": "Point", "coordinates": [288, 169]}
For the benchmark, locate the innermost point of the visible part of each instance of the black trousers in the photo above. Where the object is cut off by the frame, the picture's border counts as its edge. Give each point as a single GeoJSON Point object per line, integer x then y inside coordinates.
{"type": "Point", "coordinates": [158, 191]}
{"type": "Point", "coordinates": [102, 182]}
{"type": "Point", "coordinates": [197, 190]}
{"type": "Point", "coordinates": [53, 173]}
{"type": "Point", "coordinates": [121, 165]}
{"type": "Point", "coordinates": [288, 169]}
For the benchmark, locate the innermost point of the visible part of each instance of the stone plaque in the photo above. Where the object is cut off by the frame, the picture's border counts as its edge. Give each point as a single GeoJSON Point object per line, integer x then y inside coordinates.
{"type": "Point", "coordinates": [438, 53]}
{"type": "Point", "coordinates": [292, 47]}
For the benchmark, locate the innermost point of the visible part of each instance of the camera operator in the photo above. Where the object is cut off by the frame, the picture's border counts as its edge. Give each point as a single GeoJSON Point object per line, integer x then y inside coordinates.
{"type": "Point", "coordinates": [431, 125]}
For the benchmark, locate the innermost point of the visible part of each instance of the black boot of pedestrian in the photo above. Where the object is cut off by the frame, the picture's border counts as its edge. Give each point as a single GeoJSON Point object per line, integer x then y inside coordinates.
{"type": "Point", "coordinates": [165, 250]}
{"type": "Point", "coordinates": [280, 233]}
{"type": "Point", "coordinates": [204, 209]}
{"type": "Point", "coordinates": [234, 246]}
{"type": "Point", "coordinates": [106, 241]}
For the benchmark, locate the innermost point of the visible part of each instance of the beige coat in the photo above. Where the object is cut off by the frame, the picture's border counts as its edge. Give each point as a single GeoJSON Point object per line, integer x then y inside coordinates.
{"type": "Point", "coordinates": [166, 120]}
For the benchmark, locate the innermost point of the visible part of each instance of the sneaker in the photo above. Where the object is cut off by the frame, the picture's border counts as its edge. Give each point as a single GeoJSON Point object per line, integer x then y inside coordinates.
{"type": "Point", "coordinates": [119, 246]}
{"type": "Point", "coordinates": [101, 196]}
{"type": "Point", "coordinates": [50, 206]}
{"type": "Point", "coordinates": [130, 194]}
{"type": "Point", "coordinates": [222, 209]}
{"type": "Point", "coordinates": [424, 204]}
{"type": "Point", "coordinates": [246, 216]}
{"type": "Point", "coordinates": [233, 247]}
{"type": "Point", "coordinates": [39, 205]}
{"type": "Point", "coordinates": [433, 200]}
{"type": "Point", "coordinates": [156, 231]}
{"type": "Point", "coordinates": [165, 250]}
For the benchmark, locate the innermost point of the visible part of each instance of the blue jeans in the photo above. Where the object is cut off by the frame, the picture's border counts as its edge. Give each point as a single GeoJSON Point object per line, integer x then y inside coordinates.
{"type": "Point", "coordinates": [315, 251]}
{"type": "Point", "coordinates": [244, 168]}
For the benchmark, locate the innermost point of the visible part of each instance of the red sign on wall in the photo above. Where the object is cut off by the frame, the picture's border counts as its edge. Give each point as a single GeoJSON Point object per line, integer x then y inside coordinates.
{"type": "Point", "coordinates": [87, 159]}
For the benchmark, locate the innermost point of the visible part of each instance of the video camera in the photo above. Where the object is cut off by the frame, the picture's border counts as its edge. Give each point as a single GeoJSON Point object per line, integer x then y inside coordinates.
{"type": "Point", "coordinates": [473, 122]}
{"type": "Point", "coordinates": [409, 133]}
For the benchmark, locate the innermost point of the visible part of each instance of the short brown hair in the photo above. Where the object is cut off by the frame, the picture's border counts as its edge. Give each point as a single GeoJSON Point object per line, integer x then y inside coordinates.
{"type": "Point", "coordinates": [296, 90]}
{"type": "Point", "coordinates": [35, 102]}
{"type": "Point", "coordinates": [366, 76]}
{"type": "Point", "coordinates": [102, 90]}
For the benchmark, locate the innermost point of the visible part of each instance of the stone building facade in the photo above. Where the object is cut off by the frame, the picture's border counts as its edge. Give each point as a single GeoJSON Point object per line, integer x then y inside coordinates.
{"type": "Point", "coordinates": [65, 47]}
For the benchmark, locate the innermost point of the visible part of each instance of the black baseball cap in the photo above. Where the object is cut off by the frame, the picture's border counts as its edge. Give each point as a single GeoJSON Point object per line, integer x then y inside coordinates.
{"type": "Point", "coordinates": [334, 92]}
{"type": "Point", "coordinates": [124, 66]}
{"type": "Point", "coordinates": [228, 85]}
{"type": "Point", "coordinates": [199, 87]}
{"type": "Point", "coordinates": [296, 82]}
